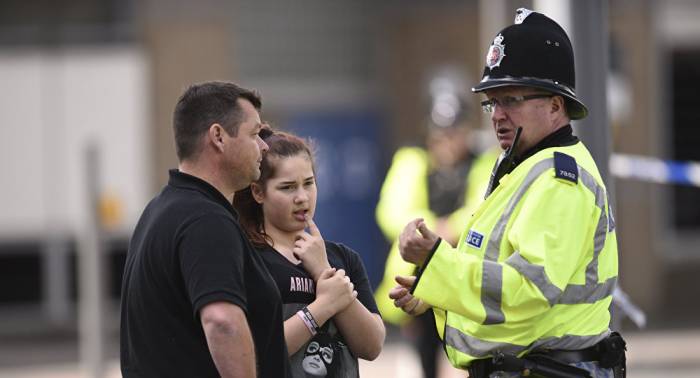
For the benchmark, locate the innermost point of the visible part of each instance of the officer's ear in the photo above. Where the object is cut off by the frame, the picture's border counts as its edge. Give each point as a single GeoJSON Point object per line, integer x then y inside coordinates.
{"type": "Point", "coordinates": [558, 107]}
{"type": "Point", "coordinates": [558, 104]}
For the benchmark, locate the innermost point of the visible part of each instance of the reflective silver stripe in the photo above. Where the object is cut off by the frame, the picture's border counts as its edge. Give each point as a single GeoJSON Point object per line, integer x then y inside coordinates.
{"type": "Point", "coordinates": [601, 231]}
{"type": "Point", "coordinates": [592, 291]}
{"type": "Point", "coordinates": [569, 342]}
{"type": "Point", "coordinates": [573, 294]}
{"type": "Point", "coordinates": [537, 275]}
{"type": "Point", "coordinates": [492, 274]}
{"type": "Point", "coordinates": [611, 217]}
{"type": "Point", "coordinates": [476, 347]}
{"type": "Point", "coordinates": [492, 279]}
{"type": "Point", "coordinates": [588, 293]}
{"type": "Point", "coordinates": [479, 348]}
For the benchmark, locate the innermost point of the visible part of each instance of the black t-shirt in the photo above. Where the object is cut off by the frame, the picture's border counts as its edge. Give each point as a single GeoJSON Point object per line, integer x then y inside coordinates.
{"type": "Point", "coordinates": [327, 350]}
{"type": "Point", "coordinates": [188, 250]}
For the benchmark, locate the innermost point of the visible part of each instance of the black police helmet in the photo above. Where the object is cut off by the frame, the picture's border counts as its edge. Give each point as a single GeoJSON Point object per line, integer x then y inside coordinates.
{"type": "Point", "coordinates": [533, 52]}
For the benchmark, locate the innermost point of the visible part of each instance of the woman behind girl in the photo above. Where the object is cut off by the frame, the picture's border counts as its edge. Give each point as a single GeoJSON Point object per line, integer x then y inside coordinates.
{"type": "Point", "coordinates": [331, 316]}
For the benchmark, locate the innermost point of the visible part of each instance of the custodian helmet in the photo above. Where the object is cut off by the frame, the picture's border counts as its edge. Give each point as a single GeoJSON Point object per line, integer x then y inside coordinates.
{"type": "Point", "coordinates": [533, 52]}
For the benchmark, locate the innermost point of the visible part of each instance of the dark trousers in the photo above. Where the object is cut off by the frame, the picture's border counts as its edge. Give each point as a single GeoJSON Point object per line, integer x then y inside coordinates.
{"type": "Point", "coordinates": [427, 343]}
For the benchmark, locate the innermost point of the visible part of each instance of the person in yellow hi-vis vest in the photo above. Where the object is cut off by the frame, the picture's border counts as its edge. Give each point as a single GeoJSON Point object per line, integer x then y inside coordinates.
{"type": "Point", "coordinates": [527, 290]}
{"type": "Point", "coordinates": [443, 183]}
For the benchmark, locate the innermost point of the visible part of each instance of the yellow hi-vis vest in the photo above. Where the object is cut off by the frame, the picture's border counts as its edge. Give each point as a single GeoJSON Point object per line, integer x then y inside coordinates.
{"type": "Point", "coordinates": [404, 197]}
{"type": "Point", "coordinates": [535, 267]}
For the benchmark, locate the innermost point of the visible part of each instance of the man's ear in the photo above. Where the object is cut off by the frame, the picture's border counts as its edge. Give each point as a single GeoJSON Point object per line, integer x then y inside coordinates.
{"type": "Point", "coordinates": [257, 192]}
{"type": "Point", "coordinates": [558, 104]}
{"type": "Point", "coordinates": [215, 135]}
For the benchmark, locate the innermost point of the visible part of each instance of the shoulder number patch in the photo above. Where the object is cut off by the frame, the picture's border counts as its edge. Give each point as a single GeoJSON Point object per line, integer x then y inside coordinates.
{"type": "Point", "coordinates": [474, 239]}
{"type": "Point", "coordinates": [565, 167]}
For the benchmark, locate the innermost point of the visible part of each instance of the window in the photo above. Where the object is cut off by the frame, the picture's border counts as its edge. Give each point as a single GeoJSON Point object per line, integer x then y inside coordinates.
{"type": "Point", "coordinates": [685, 134]}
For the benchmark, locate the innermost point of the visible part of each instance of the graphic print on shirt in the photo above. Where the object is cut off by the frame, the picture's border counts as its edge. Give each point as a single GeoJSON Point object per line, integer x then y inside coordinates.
{"type": "Point", "coordinates": [302, 284]}
{"type": "Point", "coordinates": [325, 355]}
{"type": "Point", "coordinates": [322, 356]}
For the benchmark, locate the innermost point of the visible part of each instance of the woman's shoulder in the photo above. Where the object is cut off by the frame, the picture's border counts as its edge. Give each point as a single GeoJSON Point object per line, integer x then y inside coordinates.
{"type": "Point", "coordinates": [268, 253]}
{"type": "Point", "coordinates": [339, 247]}
{"type": "Point", "coordinates": [263, 247]}
{"type": "Point", "coordinates": [335, 250]}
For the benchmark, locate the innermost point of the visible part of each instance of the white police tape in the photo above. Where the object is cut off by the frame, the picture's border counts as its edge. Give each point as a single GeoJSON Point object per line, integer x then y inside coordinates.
{"type": "Point", "coordinates": [629, 308]}
{"type": "Point", "coordinates": [655, 170]}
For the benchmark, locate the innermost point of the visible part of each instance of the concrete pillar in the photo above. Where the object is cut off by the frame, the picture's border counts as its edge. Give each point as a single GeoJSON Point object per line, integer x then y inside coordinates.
{"type": "Point", "coordinates": [187, 43]}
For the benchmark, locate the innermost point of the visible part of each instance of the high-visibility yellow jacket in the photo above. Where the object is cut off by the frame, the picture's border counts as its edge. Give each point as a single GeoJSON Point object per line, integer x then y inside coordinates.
{"type": "Point", "coordinates": [404, 197]}
{"type": "Point", "coordinates": [534, 268]}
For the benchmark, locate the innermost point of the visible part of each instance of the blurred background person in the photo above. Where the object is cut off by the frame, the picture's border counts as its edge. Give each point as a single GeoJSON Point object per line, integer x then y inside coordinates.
{"type": "Point", "coordinates": [315, 277]}
{"type": "Point", "coordinates": [441, 182]}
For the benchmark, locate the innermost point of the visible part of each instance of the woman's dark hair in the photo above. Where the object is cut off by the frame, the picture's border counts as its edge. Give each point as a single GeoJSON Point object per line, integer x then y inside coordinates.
{"type": "Point", "coordinates": [281, 145]}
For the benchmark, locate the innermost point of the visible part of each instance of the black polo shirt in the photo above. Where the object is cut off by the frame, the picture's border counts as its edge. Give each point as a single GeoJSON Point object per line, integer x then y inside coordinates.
{"type": "Point", "coordinates": [189, 250]}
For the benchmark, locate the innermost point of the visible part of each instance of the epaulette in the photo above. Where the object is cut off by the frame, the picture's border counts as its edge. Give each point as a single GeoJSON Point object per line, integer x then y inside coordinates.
{"type": "Point", "coordinates": [565, 167]}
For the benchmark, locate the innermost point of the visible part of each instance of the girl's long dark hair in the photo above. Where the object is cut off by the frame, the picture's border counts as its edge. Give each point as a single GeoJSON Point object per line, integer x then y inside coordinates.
{"type": "Point", "coordinates": [281, 145]}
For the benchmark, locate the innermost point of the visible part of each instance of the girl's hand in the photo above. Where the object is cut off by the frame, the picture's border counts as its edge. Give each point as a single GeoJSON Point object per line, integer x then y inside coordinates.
{"type": "Point", "coordinates": [334, 291]}
{"type": "Point", "coordinates": [311, 250]}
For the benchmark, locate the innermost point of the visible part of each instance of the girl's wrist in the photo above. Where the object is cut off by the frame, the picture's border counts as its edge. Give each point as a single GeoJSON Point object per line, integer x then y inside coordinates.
{"type": "Point", "coordinates": [317, 273]}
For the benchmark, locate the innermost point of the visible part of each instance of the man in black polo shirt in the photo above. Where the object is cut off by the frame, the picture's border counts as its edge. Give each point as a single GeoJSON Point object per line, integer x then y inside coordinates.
{"type": "Point", "coordinates": [197, 301]}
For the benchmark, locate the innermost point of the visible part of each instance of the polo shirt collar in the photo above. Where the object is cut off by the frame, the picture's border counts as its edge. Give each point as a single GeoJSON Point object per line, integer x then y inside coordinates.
{"type": "Point", "coordinates": [183, 180]}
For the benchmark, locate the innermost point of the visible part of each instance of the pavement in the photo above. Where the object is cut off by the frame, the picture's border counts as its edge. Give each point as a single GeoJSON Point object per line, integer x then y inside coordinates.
{"type": "Point", "coordinates": [650, 354]}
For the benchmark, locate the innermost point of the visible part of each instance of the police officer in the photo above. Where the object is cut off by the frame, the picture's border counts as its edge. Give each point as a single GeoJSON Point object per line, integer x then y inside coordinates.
{"type": "Point", "coordinates": [527, 289]}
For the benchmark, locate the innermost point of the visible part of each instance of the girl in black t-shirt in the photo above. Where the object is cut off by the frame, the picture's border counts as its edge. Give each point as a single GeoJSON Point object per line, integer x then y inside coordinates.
{"type": "Point", "coordinates": [331, 317]}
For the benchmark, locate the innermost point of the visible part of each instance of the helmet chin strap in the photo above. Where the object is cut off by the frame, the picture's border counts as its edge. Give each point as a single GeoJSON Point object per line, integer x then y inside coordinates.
{"type": "Point", "coordinates": [504, 163]}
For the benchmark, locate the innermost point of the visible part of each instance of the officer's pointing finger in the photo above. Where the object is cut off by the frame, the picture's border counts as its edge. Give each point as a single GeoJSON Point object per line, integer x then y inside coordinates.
{"type": "Point", "coordinates": [405, 281]}
{"type": "Point", "coordinates": [411, 226]}
{"type": "Point", "coordinates": [426, 232]}
{"type": "Point", "coordinates": [397, 292]}
{"type": "Point", "coordinates": [400, 302]}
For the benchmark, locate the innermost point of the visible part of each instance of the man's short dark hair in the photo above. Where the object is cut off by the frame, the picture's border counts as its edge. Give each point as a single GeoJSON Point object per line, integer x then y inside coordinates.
{"type": "Point", "coordinates": [203, 105]}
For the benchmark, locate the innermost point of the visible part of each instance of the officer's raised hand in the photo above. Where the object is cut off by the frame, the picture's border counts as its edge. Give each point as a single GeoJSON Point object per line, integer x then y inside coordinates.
{"type": "Point", "coordinates": [416, 241]}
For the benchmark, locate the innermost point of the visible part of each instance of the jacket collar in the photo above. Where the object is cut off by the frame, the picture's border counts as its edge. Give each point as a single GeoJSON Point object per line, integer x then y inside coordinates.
{"type": "Point", "coordinates": [560, 138]}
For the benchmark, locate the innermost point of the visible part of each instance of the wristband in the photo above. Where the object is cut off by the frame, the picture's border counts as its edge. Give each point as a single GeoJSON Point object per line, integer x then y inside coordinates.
{"type": "Point", "coordinates": [307, 322]}
{"type": "Point", "coordinates": [311, 318]}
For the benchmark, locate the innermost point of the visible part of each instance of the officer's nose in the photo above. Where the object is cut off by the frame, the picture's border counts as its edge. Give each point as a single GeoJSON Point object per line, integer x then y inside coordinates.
{"type": "Point", "coordinates": [498, 114]}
